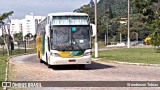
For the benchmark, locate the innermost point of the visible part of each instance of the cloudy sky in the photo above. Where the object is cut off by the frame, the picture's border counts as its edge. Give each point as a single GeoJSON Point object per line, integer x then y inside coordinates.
{"type": "Point", "coordinates": [39, 7]}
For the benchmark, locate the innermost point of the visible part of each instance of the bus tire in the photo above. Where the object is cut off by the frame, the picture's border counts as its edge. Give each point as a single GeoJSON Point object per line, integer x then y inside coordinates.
{"type": "Point", "coordinates": [38, 55]}
{"type": "Point", "coordinates": [48, 65]}
{"type": "Point", "coordinates": [40, 60]}
{"type": "Point", "coordinates": [81, 66]}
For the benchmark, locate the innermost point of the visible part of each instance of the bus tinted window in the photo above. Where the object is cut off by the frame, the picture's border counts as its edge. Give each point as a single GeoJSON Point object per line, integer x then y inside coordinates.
{"type": "Point", "coordinates": [70, 38]}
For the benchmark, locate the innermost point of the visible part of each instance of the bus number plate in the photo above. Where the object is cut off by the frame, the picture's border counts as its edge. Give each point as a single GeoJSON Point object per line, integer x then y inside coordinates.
{"type": "Point", "coordinates": [73, 60]}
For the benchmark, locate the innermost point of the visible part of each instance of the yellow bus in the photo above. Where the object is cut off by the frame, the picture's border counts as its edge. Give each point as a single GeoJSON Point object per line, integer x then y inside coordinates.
{"type": "Point", "coordinates": [64, 39]}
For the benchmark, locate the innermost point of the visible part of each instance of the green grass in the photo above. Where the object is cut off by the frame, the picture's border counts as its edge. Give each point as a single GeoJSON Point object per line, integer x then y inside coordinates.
{"type": "Point", "coordinates": [28, 45]}
{"type": "Point", "coordinates": [134, 55]}
{"type": "Point", "coordinates": [3, 61]}
{"type": "Point", "coordinates": [17, 51]}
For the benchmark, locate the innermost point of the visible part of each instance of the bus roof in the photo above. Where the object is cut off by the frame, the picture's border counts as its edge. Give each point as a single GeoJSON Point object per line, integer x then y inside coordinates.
{"type": "Point", "coordinates": [67, 14]}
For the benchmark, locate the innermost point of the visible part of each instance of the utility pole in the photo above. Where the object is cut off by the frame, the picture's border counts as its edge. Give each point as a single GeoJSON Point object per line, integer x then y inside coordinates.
{"type": "Point", "coordinates": [107, 26]}
{"type": "Point", "coordinates": [120, 36]}
{"type": "Point", "coordinates": [96, 39]}
{"type": "Point", "coordinates": [128, 40]}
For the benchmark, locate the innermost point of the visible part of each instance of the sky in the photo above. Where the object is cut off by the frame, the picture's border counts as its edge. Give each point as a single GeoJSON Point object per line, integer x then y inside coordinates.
{"type": "Point", "coordinates": [39, 7]}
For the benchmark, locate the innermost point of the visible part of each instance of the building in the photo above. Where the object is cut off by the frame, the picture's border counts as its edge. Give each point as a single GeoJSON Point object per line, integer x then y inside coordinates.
{"type": "Point", "coordinates": [123, 21]}
{"type": "Point", "coordinates": [26, 26]}
{"type": "Point", "coordinates": [4, 29]}
{"type": "Point", "coordinates": [15, 26]}
{"type": "Point", "coordinates": [30, 23]}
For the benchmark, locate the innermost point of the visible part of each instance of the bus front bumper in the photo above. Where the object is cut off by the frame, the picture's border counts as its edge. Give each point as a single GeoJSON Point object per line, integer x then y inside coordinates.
{"type": "Point", "coordinates": [69, 61]}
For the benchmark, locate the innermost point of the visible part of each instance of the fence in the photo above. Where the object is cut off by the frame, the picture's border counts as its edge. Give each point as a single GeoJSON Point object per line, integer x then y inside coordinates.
{"type": "Point", "coordinates": [19, 48]}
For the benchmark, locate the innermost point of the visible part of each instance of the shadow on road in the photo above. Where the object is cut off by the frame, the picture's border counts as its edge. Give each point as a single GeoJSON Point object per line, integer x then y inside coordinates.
{"type": "Point", "coordinates": [92, 66]}
{"type": "Point", "coordinates": [96, 65]}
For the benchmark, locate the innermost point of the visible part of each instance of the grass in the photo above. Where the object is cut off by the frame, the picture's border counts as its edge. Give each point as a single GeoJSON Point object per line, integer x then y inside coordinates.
{"type": "Point", "coordinates": [28, 45]}
{"type": "Point", "coordinates": [133, 55]}
{"type": "Point", "coordinates": [3, 63]}
{"type": "Point", "coordinates": [3, 60]}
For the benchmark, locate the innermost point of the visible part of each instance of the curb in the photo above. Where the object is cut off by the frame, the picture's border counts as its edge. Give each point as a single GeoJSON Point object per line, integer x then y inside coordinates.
{"type": "Point", "coordinates": [6, 76]}
{"type": "Point", "coordinates": [138, 64]}
{"type": "Point", "coordinates": [126, 63]}
{"type": "Point", "coordinates": [95, 59]}
{"type": "Point", "coordinates": [7, 66]}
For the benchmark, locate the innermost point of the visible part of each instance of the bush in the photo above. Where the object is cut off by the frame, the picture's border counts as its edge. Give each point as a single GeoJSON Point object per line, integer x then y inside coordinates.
{"type": "Point", "coordinates": [1, 41]}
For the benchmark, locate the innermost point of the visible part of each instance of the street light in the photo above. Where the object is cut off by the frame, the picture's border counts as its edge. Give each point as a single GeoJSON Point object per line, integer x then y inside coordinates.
{"type": "Point", "coordinates": [96, 39]}
{"type": "Point", "coordinates": [128, 40]}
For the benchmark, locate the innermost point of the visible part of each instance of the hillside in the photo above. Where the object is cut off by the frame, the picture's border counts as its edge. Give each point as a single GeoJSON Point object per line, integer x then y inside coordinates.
{"type": "Point", "coordinates": [118, 7]}
{"type": "Point", "coordinates": [144, 16]}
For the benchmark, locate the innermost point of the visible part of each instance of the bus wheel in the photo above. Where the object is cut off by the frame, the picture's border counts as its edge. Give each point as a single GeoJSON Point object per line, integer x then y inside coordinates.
{"type": "Point", "coordinates": [81, 66]}
{"type": "Point", "coordinates": [49, 66]}
{"type": "Point", "coordinates": [40, 60]}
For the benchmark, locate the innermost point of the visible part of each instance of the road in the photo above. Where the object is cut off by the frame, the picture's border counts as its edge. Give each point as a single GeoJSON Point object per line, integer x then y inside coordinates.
{"type": "Point", "coordinates": [28, 68]}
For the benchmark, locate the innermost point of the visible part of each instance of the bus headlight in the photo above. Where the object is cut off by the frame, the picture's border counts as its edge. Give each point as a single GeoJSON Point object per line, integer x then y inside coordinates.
{"type": "Point", "coordinates": [87, 53]}
{"type": "Point", "coordinates": [55, 54]}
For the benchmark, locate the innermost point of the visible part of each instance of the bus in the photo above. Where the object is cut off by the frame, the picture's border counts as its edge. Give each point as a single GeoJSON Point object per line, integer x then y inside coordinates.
{"type": "Point", "coordinates": [65, 39]}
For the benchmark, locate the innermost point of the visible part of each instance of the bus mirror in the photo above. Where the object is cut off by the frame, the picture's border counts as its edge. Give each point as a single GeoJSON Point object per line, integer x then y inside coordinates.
{"type": "Point", "coordinates": [47, 30]}
{"type": "Point", "coordinates": [93, 30]}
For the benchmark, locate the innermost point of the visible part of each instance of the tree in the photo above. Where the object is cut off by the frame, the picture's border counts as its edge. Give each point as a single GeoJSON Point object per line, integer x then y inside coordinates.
{"type": "Point", "coordinates": [5, 16]}
{"type": "Point", "coordinates": [155, 36]}
{"type": "Point", "coordinates": [123, 31]}
{"type": "Point", "coordinates": [86, 9]}
{"type": "Point", "coordinates": [28, 36]}
{"type": "Point", "coordinates": [5, 36]}
{"type": "Point", "coordinates": [18, 36]}
{"type": "Point", "coordinates": [1, 41]}
{"type": "Point", "coordinates": [147, 8]}
{"type": "Point", "coordinates": [138, 25]}
{"type": "Point", "coordinates": [110, 12]}
{"type": "Point", "coordinates": [91, 7]}
{"type": "Point", "coordinates": [151, 9]}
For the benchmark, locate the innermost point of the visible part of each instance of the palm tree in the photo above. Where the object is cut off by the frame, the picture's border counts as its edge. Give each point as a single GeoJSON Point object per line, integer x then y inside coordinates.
{"type": "Point", "coordinates": [6, 36]}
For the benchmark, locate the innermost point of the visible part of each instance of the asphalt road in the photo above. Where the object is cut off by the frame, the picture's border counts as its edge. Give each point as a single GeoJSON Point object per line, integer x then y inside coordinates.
{"type": "Point", "coordinates": [28, 68]}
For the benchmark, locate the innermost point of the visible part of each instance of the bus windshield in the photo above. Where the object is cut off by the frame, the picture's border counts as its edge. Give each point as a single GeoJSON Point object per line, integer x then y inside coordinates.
{"type": "Point", "coordinates": [68, 38]}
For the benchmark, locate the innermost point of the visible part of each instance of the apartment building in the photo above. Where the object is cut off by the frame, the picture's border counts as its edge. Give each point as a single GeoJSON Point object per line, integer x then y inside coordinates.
{"type": "Point", "coordinates": [15, 26]}
{"type": "Point", "coordinates": [26, 25]}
